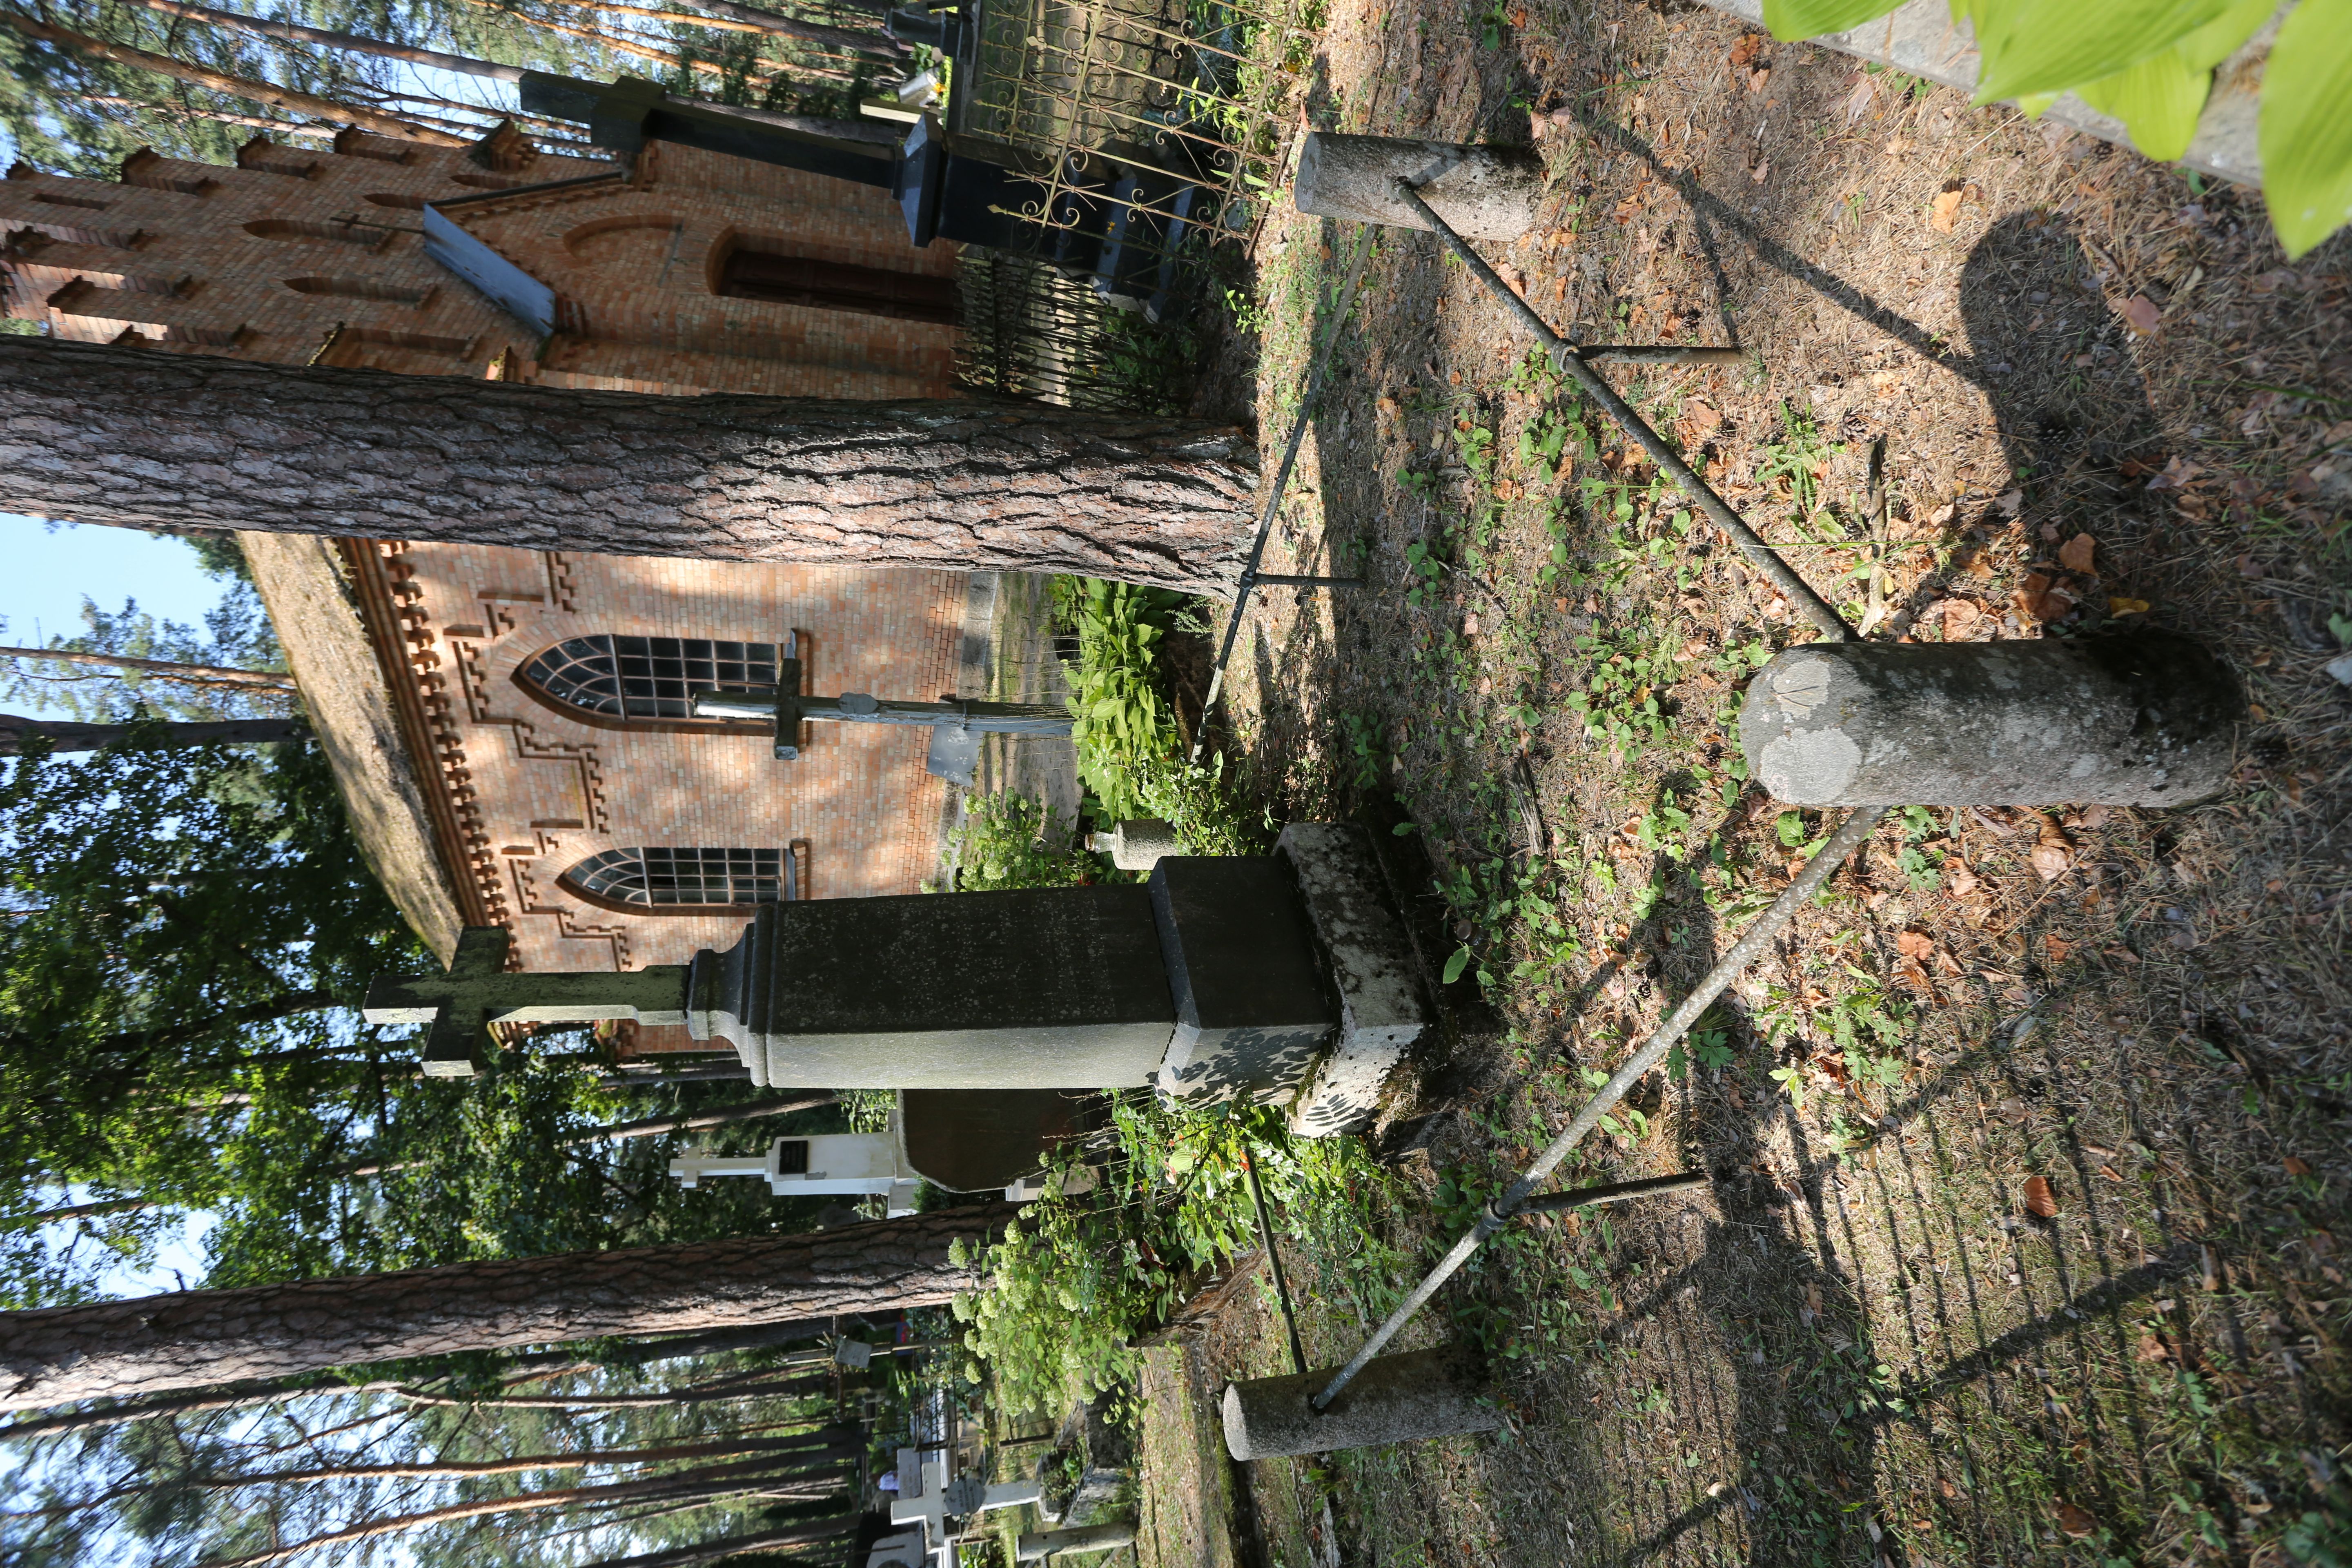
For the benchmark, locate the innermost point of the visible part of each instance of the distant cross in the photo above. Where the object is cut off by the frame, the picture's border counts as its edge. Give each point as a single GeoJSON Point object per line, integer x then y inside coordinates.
{"type": "Point", "coordinates": [940, 1499]}
{"type": "Point", "coordinates": [477, 991]}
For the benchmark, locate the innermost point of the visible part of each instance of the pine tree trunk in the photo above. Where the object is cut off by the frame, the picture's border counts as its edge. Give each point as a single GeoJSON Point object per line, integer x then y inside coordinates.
{"type": "Point", "coordinates": [162, 668]}
{"type": "Point", "coordinates": [15, 731]}
{"type": "Point", "coordinates": [98, 434]}
{"type": "Point", "coordinates": [194, 1339]}
{"type": "Point", "coordinates": [252, 92]}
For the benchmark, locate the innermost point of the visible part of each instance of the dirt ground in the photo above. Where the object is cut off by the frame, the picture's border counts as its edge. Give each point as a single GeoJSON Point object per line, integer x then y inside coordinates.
{"type": "Point", "coordinates": [2028, 1141]}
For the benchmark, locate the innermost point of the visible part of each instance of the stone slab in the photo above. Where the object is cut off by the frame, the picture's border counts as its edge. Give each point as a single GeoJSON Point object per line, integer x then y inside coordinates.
{"type": "Point", "coordinates": [1369, 958]}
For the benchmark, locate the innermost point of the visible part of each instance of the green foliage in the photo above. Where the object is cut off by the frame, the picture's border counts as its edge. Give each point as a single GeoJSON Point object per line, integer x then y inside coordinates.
{"type": "Point", "coordinates": [1007, 840]}
{"type": "Point", "coordinates": [2150, 63]}
{"type": "Point", "coordinates": [1071, 1284]}
{"type": "Point", "coordinates": [1130, 754]}
{"type": "Point", "coordinates": [2307, 136]}
{"type": "Point", "coordinates": [1620, 702]}
{"type": "Point", "coordinates": [1125, 727]}
{"type": "Point", "coordinates": [180, 922]}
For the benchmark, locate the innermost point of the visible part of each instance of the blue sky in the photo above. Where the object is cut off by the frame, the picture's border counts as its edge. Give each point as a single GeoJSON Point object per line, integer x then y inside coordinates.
{"type": "Point", "coordinates": [52, 565]}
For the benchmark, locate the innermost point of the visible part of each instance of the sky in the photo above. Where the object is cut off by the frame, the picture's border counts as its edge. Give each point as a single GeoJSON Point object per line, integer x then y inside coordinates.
{"type": "Point", "coordinates": [51, 566]}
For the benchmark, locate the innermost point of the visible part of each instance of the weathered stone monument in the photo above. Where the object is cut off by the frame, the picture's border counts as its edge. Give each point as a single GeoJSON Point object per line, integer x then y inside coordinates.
{"type": "Point", "coordinates": [929, 1497]}
{"type": "Point", "coordinates": [1279, 979]}
{"type": "Point", "coordinates": [827, 1164]}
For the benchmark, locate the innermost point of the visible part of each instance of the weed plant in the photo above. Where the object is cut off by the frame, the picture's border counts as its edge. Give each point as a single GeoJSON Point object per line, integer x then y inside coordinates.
{"type": "Point", "coordinates": [1075, 1279]}
{"type": "Point", "coordinates": [1008, 840]}
{"type": "Point", "coordinates": [1132, 756]}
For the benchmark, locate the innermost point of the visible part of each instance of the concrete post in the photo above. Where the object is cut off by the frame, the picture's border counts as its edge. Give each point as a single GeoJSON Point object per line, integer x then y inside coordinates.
{"type": "Point", "coordinates": [2135, 718]}
{"type": "Point", "coordinates": [1395, 1399]}
{"type": "Point", "coordinates": [1483, 193]}
{"type": "Point", "coordinates": [1137, 846]}
{"type": "Point", "coordinates": [1038, 1545]}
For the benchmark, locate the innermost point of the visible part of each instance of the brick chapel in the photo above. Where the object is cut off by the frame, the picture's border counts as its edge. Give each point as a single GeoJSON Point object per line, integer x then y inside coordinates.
{"type": "Point", "coordinates": [510, 727]}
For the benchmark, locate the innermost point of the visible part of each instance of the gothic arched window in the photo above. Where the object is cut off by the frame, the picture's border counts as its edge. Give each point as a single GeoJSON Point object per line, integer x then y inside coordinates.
{"type": "Point", "coordinates": [655, 879]}
{"type": "Point", "coordinates": [625, 678]}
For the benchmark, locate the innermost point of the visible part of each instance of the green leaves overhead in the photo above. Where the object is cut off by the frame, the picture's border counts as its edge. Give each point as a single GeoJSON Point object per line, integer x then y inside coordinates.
{"type": "Point", "coordinates": [2048, 46]}
{"type": "Point", "coordinates": [2159, 100]}
{"type": "Point", "coordinates": [2306, 124]}
{"type": "Point", "coordinates": [1791, 19]}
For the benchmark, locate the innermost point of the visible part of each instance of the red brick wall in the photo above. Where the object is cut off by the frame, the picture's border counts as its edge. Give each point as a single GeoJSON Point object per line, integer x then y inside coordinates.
{"type": "Point", "coordinates": [194, 258]}
{"type": "Point", "coordinates": [543, 791]}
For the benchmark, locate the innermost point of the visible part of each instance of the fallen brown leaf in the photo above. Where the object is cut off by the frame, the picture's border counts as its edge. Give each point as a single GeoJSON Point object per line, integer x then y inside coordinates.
{"type": "Point", "coordinates": [2295, 1167]}
{"type": "Point", "coordinates": [2075, 1521]}
{"type": "Point", "coordinates": [1702, 419]}
{"type": "Point", "coordinates": [2058, 946]}
{"type": "Point", "coordinates": [2076, 552]}
{"type": "Point", "coordinates": [1749, 45]}
{"type": "Point", "coordinates": [2039, 1198]}
{"type": "Point", "coordinates": [1915, 944]}
{"type": "Point", "coordinates": [2153, 1349]}
{"type": "Point", "coordinates": [1858, 101]}
{"type": "Point", "coordinates": [1960, 617]}
{"type": "Point", "coordinates": [1944, 211]}
{"type": "Point", "coordinates": [2042, 597]}
{"type": "Point", "coordinates": [1759, 173]}
{"type": "Point", "coordinates": [2050, 860]}
{"type": "Point", "coordinates": [2126, 606]}
{"type": "Point", "coordinates": [1964, 881]}
{"type": "Point", "coordinates": [2140, 314]}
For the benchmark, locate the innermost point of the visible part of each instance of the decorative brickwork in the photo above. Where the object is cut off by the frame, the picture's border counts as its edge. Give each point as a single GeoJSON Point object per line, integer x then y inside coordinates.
{"type": "Point", "coordinates": [308, 255]}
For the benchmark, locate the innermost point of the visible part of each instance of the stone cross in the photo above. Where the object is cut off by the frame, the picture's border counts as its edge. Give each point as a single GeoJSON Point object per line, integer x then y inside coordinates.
{"type": "Point", "coordinates": [790, 710]}
{"type": "Point", "coordinates": [940, 1500]}
{"type": "Point", "coordinates": [829, 1164]}
{"type": "Point", "coordinates": [477, 991]}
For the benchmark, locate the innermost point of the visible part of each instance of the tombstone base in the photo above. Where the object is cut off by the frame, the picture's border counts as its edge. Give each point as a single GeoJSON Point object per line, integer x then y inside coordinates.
{"type": "Point", "coordinates": [1395, 1399]}
{"type": "Point", "coordinates": [1038, 1545]}
{"type": "Point", "coordinates": [1252, 1010]}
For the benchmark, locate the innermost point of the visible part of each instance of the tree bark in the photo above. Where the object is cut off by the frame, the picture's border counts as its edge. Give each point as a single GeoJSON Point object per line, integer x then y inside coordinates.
{"type": "Point", "coordinates": [193, 1339]}
{"type": "Point", "coordinates": [252, 92]}
{"type": "Point", "coordinates": [64, 737]}
{"type": "Point", "coordinates": [713, 1480]}
{"type": "Point", "coordinates": [729, 1545]}
{"type": "Point", "coordinates": [105, 435]}
{"type": "Point", "coordinates": [283, 127]}
{"type": "Point", "coordinates": [735, 1389]}
{"type": "Point", "coordinates": [742, 17]}
{"type": "Point", "coordinates": [162, 668]}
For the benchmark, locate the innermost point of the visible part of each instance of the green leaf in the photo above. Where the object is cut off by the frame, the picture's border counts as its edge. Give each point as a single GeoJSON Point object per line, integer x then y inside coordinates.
{"type": "Point", "coordinates": [2052, 45]}
{"type": "Point", "coordinates": [1456, 964]}
{"type": "Point", "coordinates": [1792, 19]}
{"type": "Point", "coordinates": [2218, 40]}
{"type": "Point", "coordinates": [2158, 102]}
{"type": "Point", "coordinates": [2307, 136]}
